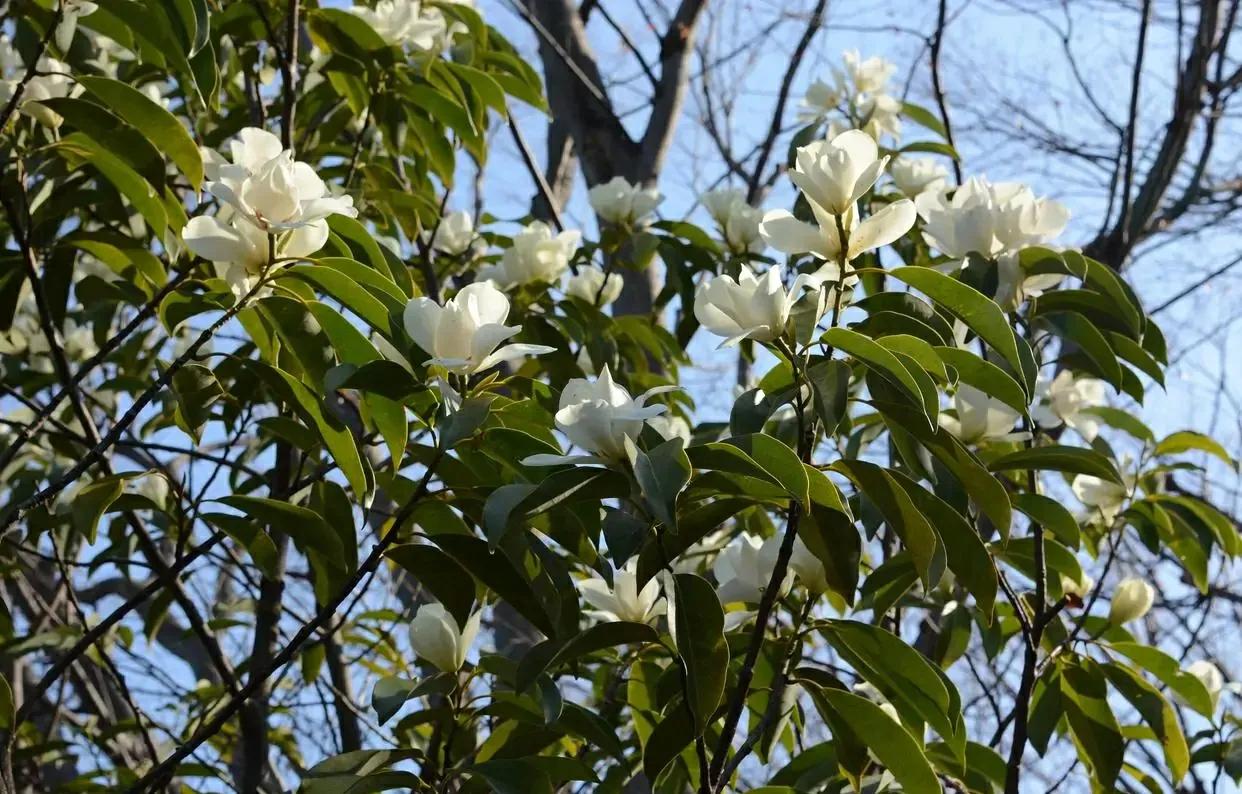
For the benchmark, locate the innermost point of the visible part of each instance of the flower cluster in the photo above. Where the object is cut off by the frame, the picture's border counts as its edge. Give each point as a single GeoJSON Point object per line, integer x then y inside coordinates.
{"type": "Point", "coordinates": [411, 24]}
{"type": "Point", "coordinates": [52, 80]}
{"type": "Point", "coordinates": [858, 89]}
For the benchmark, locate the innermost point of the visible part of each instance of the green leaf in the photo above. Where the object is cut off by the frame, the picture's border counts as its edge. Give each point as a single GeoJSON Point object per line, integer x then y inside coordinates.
{"type": "Point", "coordinates": [90, 503]}
{"type": "Point", "coordinates": [431, 568]}
{"type": "Point", "coordinates": [662, 474]}
{"type": "Point", "coordinates": [1168, 672]}
{"type": "Point", "coordinates": [696, 622]}
{"type": "Point", "coordinates": [7, 710]}
{"type": "Point", "coordinates": [900, 513]}
{"type": "Point", "coordinates": [917, 689]}
{"type": "Point", "coordinates": [923, 117]}
{"type": "Point", "coordinates": [495, 571]}
{"type": "Point", "coordinates": [830, 382]}
{"type": "Point", "coordinates": [306, 527]}
{"type": "Point", "coordinates": [779, 462]}
{"type": "Point", "coordinates": [832, 537]}
{"type": "Point", "coordinates": [550, 655]}
{"type": "Point", "coordinates": [921, 390]}
{"type": "Point", "coordinates": [196, 389]}
{"type": "Point", "coordinates": [1095, 729]}
{"type": "Point", "coordinates": [978, 312]}
{"type": "Point", "coordinates": [391, 693]}
{"type": "Point", "coordinates": [1091, 341]}
{"type": "Point", "coordinates": [1190, 441]}
{"type": "Point", "coordinates": [888, 739]}
{"type": "Point", "coordinates": [1156, 712]}
{"type": "Point", "coordinates": [345, 288]}
{"type": "Point", "coordinates": [1050, 514]}
{"type": "Point", "coordinates": [672, 735]}
{"type": "Point", "coordinates": [1057, 457]}
{"type": "Point", "coordinates": [985, 376]}
{"type": "Point", "coordinates": [77, 149]}
{"type": "Point", "coordinates": [160, 127]}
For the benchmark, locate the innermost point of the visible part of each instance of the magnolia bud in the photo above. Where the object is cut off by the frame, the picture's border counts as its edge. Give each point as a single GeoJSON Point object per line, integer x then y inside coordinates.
{"type": "Point", "coordinates": [1131, 600]}
{"type": "Point", "coordinates": [1210, 676]}
{"type": "Point", "coordinates": [435, 637]}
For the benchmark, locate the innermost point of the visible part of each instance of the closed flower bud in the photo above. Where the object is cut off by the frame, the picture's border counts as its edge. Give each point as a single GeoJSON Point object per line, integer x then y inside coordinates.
{"type": "Point", "coordinates": [807, 567]}
{"type": "Point", "coordinates": [1131, 600]}
{"type": "Point", "coordinates": [1210, 676]}
{"type": "Point", "coordinates": [436, 637]}
{"type": "Point", "coordinates": [618, 202]}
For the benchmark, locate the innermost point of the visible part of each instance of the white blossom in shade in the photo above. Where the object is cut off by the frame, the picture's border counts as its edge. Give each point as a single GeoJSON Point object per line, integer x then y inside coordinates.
{"type": "Point", "coordinates": [589, 284]}
{"type": "Point", "coordinates": [266, 186]}
{"type": "Point", "coordinates": [865, 76]}
{"type": "Point", "coordinates": [743, 569]}
{"type": "Point", "coordinates": [600, 417]}
{"type": "Point", "coordinates": [70, 12]}
{"type": "Point", "coordinates": [436, 637]}
{"type": "Point", "coordinates": [749, 307]}
{"type": "Point", "coordinates": [1102, 497]}
{"type": "Point", "coordinates": [807, 568]}
{"type": "Point", "coordinates": [670, 427]}
{"type": "Point", "coordinates": [737, 221]}
{"type": "Point", "coordinates": [154, 91]}
{"type": "Point", "coordinates": [403, 23]}
{"type": "Point", "coordinates": [537, 256]}
{"type": "Point", "coordinates": [1014, 286]}
{"type": "Point", "coordinates": [835, 174]}
{"type": "Point", "coordinates": [462, 335]}
{"type": "Point", "coordinates": [455, 234]}
{"type": "Point", "coordinates": [822, 98]}
{"type": "Point", "coordinates": [1065, 399]}
{"type": "Point", "coordinates": [618, 202]}
{"type": "Point", "coordinates": [1077, 588]}
{"type": "Point", "coordinates": [914, 175]}
{"type": "Point", "coordinates": [1131, 600]}
{"type": "Point", "coordinates": [152, 486]}
{"type": "Point", "coordinates": [980, 417]}
{"type": "Point", "coordinates": [1210, 676]}
{"type": "Point", "coordinates": [623, 601]}
{"type": "Point", "coordinates": [51, 81]}
{"type": "Point", "coordinates": [822, 239]}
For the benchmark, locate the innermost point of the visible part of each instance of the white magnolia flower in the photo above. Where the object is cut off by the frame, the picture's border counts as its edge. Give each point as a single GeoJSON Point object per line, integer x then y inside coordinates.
{"type": "Point", "coordinates": [980, 417]}
{"type": "Point", "coordinates": [748, 308]}
{"type": "Point", "coordinates": [822, 239]}
{"type": "Point", "coordinates": [455, 234]}
{"type": "Point", "coordinates": [536, 257]}
{"type": "Point", "coordinates": [868, 76]}
{"type": "Point", "coordinates": [51, 81]}
{"type": "Point", "coordinates": [1078, 589]}
{"type": "Point", "coordinates": [462, 335]}
{"type": "Point", "coordinates": [808, 568]}
{"type": "Point", "coordinates": [835, 174]}
{"type": "Point", "coordinates": [1014, 286]}
{"type": "Point", "coordinates": [914, 175]}
{"type": "Point", "coordinates": [600, 417]}
{"type": "Point", "coordinates": [880, 114]}
{"type": "Point", "coordinates": [988, 219]}
{"type": "Point", "coordinates": [590, 285]}
{"type": "Point", "coordinates": [623, 601]}
{"type": "Point", "coordinates": [404, 23]}
{"type": "Point", "coordinates": [670, 427]}
{"type": "Point", "coordinates": [1131, 600]}
{"type": "Point", "coordinates": [1065, 400]}
{"type": "Point", "coordinates": [240, 250]}
{"type": "Point", "coordinates": [744, 568]}
{"type": "Point", "coordinates": [70, 12]}
{"type": "Point", "coordinates": [619, 202]}
{"type": "Point", "coordinates": [1102, 496]}
{"type": "Point", "coordinates": [737, 221]}
{"type": "Point", "coordinates": [436, 637]}
{"type": "Point", "coordinates": [1210, 676]}
{"type": "Point", "coordinates": [822, 97]}
{"type": "Point", "coordinates": [266, 186]}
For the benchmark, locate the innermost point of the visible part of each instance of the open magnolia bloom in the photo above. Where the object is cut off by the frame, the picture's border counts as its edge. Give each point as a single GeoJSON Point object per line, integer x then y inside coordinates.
{"type": "Point", "coordinates": [980, 418]}
{"type": "Point", "coordinates": [536, 257]}
{"type": "Point", "coordinates": [455, 235]}
{"type": "Point", "coordinates": [589, 284]}
{"type": "Point", "coordinates": [988, 218]}
{"type": "Point", "coordinates": [749, 308]}
{"type": "Point", "coordinates": [52, 80]}
{"type": "Point", "coordinates": [822, 97]}
{"type": "Point", "coordinates": [744, 568]}
{"type": "Point", "coordinates": [738, 221]}
{"type": "Point", "coordinates": [1014, 286]}
{"type": "Point", "coordinates": [1066, 399]}
{"type": "Point", "coordinates": [600, 417]}
{"type": "Point", "coordinates": [1102, 497]}
{"type": "Point", "coordinates": [623, 601]}
{"type": "Point", "coordinates": [808, 568]}
{"type": "Point", "coordinates": [404, 22]}
{"type": "Point", "coordinates": [70, 12]}
{"type": "Point", "coordinates": [240, 250]}
{"type": "Point", "coordinates": [619, 202]}
{"type": "Point", "coordinates": [835, 174]}
{"type": "Point", "coordinates": [865, 76]}
{"type": "Point", "coordinates": [915, 175]}
{"type": "Point", "coordinates": [436, 637]}
{"type": "Point", "coordinates": [822, 239]}
{"type": "Point", "coordinates": [266, 186]}
{"type": "Point", "coordinates": [461, 336]}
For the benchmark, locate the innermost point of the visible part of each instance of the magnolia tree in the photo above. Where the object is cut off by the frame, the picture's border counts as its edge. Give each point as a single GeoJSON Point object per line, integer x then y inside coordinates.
{"type": "Point", "coordinates": [259, 382]}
